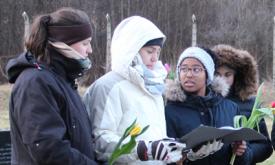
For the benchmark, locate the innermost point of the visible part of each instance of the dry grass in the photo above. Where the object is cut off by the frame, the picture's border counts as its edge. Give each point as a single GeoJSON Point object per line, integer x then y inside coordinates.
{"type": "Point", "coordinates": [4, 119]}
{"type": "Point", "coordinates": [4, 97]}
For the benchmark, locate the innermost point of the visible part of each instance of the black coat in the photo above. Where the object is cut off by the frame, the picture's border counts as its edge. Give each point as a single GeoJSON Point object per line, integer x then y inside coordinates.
{"type": "Point", "coordinates": [261, 150]}
{"type": "Point", "coordinates": [49, 123]}
{"type": "Point", "coordinates": [273, 135]}
{"type": "Point", "coordinates": [212, 110]}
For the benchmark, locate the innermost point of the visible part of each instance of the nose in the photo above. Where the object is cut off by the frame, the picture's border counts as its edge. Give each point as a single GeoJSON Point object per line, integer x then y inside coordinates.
{"type": "Point", "coordinates": [189, 73]}
{"type": "Point", "coordinates": [155, 57]}
{"type": "Point", "coordinates": [89, 50]}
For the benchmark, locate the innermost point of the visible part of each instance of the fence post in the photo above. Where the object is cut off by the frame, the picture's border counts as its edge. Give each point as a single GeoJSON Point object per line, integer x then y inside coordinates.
{"type": "Point", "coordinates": [108, 44]}
{"type": "Point", "coordinates": [26, 26]}
{"type": "Point", "coordinates": [194, 31]}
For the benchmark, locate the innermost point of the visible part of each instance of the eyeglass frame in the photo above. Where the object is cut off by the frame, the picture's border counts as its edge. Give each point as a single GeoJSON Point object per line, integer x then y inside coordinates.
{"type": "Point", "coordinates": [194, 73]}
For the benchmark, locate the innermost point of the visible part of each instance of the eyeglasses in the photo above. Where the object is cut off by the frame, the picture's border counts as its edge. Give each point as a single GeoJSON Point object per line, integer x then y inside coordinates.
{"type": "Point", "coordinates": [194, 70]}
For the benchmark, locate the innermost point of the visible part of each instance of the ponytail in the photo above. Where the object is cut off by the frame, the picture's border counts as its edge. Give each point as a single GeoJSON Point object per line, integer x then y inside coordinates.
{"type": "Point", "coordinates": [37, 41]}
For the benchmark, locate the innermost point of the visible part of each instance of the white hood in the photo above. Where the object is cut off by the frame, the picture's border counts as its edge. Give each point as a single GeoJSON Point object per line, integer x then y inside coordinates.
{"type": "Point", "coordinates": [128, 38]}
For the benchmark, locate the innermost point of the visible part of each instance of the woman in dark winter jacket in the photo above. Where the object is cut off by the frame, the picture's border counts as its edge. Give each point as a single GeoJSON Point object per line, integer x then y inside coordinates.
{"type": "Point", "coordinates": [195, 99]}
{"type": "Point", "coordinates": [239, 69]}
{"type": "Point", "coordinates": [49, 123]}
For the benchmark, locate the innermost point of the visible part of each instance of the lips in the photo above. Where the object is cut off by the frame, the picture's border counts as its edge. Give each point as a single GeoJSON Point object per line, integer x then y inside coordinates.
{"type": "Point", "coordinates": [189, 83]}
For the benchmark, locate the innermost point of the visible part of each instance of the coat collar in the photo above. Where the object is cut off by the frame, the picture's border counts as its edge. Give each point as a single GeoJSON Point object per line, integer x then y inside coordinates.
{"type": "Point", "coordinates": [174, 91]}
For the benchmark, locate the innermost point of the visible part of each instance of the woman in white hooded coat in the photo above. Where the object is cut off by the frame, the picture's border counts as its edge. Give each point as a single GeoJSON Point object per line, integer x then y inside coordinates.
{"type": "Point", "coordinates": [133, 90]}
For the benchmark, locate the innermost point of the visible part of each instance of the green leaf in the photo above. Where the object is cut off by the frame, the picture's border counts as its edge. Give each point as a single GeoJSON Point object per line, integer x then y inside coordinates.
{"type": "Point", "coordinates": [125, 149]}
{"type": "Point", "coordinates": [266, 111]}
{"type": "Point", "coordinates": [240, 121]}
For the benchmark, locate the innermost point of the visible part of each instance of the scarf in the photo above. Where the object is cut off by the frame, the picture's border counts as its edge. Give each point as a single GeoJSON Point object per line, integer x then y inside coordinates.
{"type": "Point", "coordinates": [153, 79]}
{"type": "Point", "coordinates": [69, 52]}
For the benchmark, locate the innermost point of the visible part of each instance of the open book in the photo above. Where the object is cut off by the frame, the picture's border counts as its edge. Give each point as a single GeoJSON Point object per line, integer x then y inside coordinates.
{"type": "Point", "coordinates": [204, 134]}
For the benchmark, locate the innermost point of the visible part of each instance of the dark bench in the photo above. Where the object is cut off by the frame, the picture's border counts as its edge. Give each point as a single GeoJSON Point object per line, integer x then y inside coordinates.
{"type": "Point", "coordinates": [5, 147]}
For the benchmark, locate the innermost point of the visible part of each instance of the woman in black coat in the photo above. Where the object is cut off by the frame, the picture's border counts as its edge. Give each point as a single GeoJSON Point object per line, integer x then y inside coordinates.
{"type": "Point", "coordinates": [48, 121]}
{"type": "Point", "coordinates": [195, 99]}
{"type": "Point", "coordinates": [239, 69]}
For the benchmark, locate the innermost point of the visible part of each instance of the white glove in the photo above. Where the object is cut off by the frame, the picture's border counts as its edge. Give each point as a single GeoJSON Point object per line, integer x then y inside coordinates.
{"type": "Point", "coordinates": [205, 150]}
{"type": "Point", "coordinates": [167, 150]}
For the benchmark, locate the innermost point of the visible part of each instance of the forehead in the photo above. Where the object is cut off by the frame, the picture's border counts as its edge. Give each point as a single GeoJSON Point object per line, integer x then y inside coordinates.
{"type": "Point", "coordinates": [225, 68]}
{"type": "Point", "coordinates": [189, 61]}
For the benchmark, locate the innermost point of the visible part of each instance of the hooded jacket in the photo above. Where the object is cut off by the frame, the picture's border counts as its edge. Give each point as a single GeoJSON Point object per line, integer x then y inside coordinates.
{"type": "Point", "coordinates": [49, 123]}
{"type": "Point", "coordinates": [243, 91]}
{"type": "Point", "coordinates": [186, 112]}
{"type": "Point", "coordinates": [119, 97]}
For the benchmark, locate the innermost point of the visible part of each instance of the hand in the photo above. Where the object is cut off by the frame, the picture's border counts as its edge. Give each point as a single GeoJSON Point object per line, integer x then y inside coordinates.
{"type": "Point", "coordinates": [205, 150]}
{"type": "Point", "coordinates": [167, 150]}
{"type": "Point", "coordinates": [239, 147]}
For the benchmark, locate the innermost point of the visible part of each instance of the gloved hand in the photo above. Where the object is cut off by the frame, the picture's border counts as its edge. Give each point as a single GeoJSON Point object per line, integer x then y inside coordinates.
{"type": "Point", "coordinates": [167, 150]}
{"type": "Point", "coordinates": [205, 150]}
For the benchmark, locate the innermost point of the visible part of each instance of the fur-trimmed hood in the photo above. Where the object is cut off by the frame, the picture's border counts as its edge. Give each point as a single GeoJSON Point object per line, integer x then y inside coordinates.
{"type": "Point", "coordinates": [174, 91]}
{"type": "Point", "coordinates": [246, 78]}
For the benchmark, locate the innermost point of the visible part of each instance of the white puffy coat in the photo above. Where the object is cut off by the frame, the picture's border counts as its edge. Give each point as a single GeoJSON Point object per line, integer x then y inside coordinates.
{"type": "Point", "coordinates": [119, 97]}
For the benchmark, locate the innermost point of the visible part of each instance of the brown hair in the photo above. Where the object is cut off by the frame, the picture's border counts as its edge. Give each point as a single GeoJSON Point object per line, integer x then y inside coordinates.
{"type": "Point", "coordinates": [37, 42]}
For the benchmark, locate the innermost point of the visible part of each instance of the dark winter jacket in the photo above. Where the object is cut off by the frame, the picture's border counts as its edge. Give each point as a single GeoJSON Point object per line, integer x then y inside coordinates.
{"type": "Point", "coordinates": [186, 112]}
{"type": "Point", "coordinates": [273, 135]}
{"type": "Point", "coordinates": [49, 123]}
{"type": "Point", "coordinates": [243, 90]}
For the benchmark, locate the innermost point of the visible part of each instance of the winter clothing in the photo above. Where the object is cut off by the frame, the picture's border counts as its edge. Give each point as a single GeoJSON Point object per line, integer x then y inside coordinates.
{"type": "Point", "coordinates": [49, 123]}
{"type": "Point", "coordinates": [203, 57]}
{"type": "Point", "coordinates": [186, 112]}
{"type": "Point", "coordinates": [69, 52]}
{"type": "Point", "coordinates": [118, 98]}
{"type": "Point", "coordinates": [273, 135]}
{"type": "Point", "coordinates": [69, 34]}
{"type": "Point", "coordinates": [242, 91]}
{"type": "Point", "coordinates": [246, 78]}
{"type": "Point", "coordinates": [154, 78]}
{"type": "Point", "coordinates": [158, 42]}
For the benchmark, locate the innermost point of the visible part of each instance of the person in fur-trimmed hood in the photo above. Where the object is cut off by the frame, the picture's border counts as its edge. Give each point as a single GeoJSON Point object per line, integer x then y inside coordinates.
{"type": "Point", "coordinates": [239, 69]}
{"type": "Point", "coordinates": [195, 98]}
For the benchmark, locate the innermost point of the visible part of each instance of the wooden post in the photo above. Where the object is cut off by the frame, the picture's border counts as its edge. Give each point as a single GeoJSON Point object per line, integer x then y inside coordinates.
{"type": "Point", "coordinates": [273, 67]}
{"type": "Point", "coordinates": [194, 31]}
{"type": "Point", "coordinates": [108, 44]}
{"type": "Point", "coordinates": [26, 26]}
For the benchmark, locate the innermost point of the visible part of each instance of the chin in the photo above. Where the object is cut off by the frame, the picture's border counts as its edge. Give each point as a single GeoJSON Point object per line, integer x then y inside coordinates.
{"type": "Point", "coordinates": [190, 90]}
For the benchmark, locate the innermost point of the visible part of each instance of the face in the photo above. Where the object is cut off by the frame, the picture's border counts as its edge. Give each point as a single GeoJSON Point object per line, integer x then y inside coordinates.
{"type": "Point", "coordinates": [150, 55]}
{"type": "Point", "coordinates": [227, 73]}
{"type": "Point", "coordinates": [83, 47]}
{"type": "Point", "coordinates": [192, 76]}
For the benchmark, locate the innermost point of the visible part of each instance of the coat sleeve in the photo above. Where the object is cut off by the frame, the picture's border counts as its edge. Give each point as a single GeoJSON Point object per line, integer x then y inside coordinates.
{"type": "Point", "coordinates": [105, 108]}
{"type": "Point", "coordinates": [261, 150]}
{"type": "Point", "coordinates": [38, 119]}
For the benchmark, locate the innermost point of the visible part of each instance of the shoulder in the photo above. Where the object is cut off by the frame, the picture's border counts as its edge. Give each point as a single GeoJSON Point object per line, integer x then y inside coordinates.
{"type": "Point", "coordinates": [228, 105]}
{"type": "Point", "coordinates": [106, 83]}
{"type": "Point", "coordinates": [32, 77]}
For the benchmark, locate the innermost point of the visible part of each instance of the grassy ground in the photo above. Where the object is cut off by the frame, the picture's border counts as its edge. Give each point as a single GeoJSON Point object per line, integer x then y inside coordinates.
{"type": "Point", "coordinates": [4, 119]}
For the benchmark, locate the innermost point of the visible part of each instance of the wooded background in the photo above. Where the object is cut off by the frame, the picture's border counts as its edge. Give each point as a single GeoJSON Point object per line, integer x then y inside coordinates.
{"type": "Point", "coordinates": [246, 24]}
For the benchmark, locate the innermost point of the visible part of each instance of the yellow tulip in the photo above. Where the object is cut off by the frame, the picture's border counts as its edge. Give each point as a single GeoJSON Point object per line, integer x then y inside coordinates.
{"type": "Point", "coordinates": [136, 130]}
